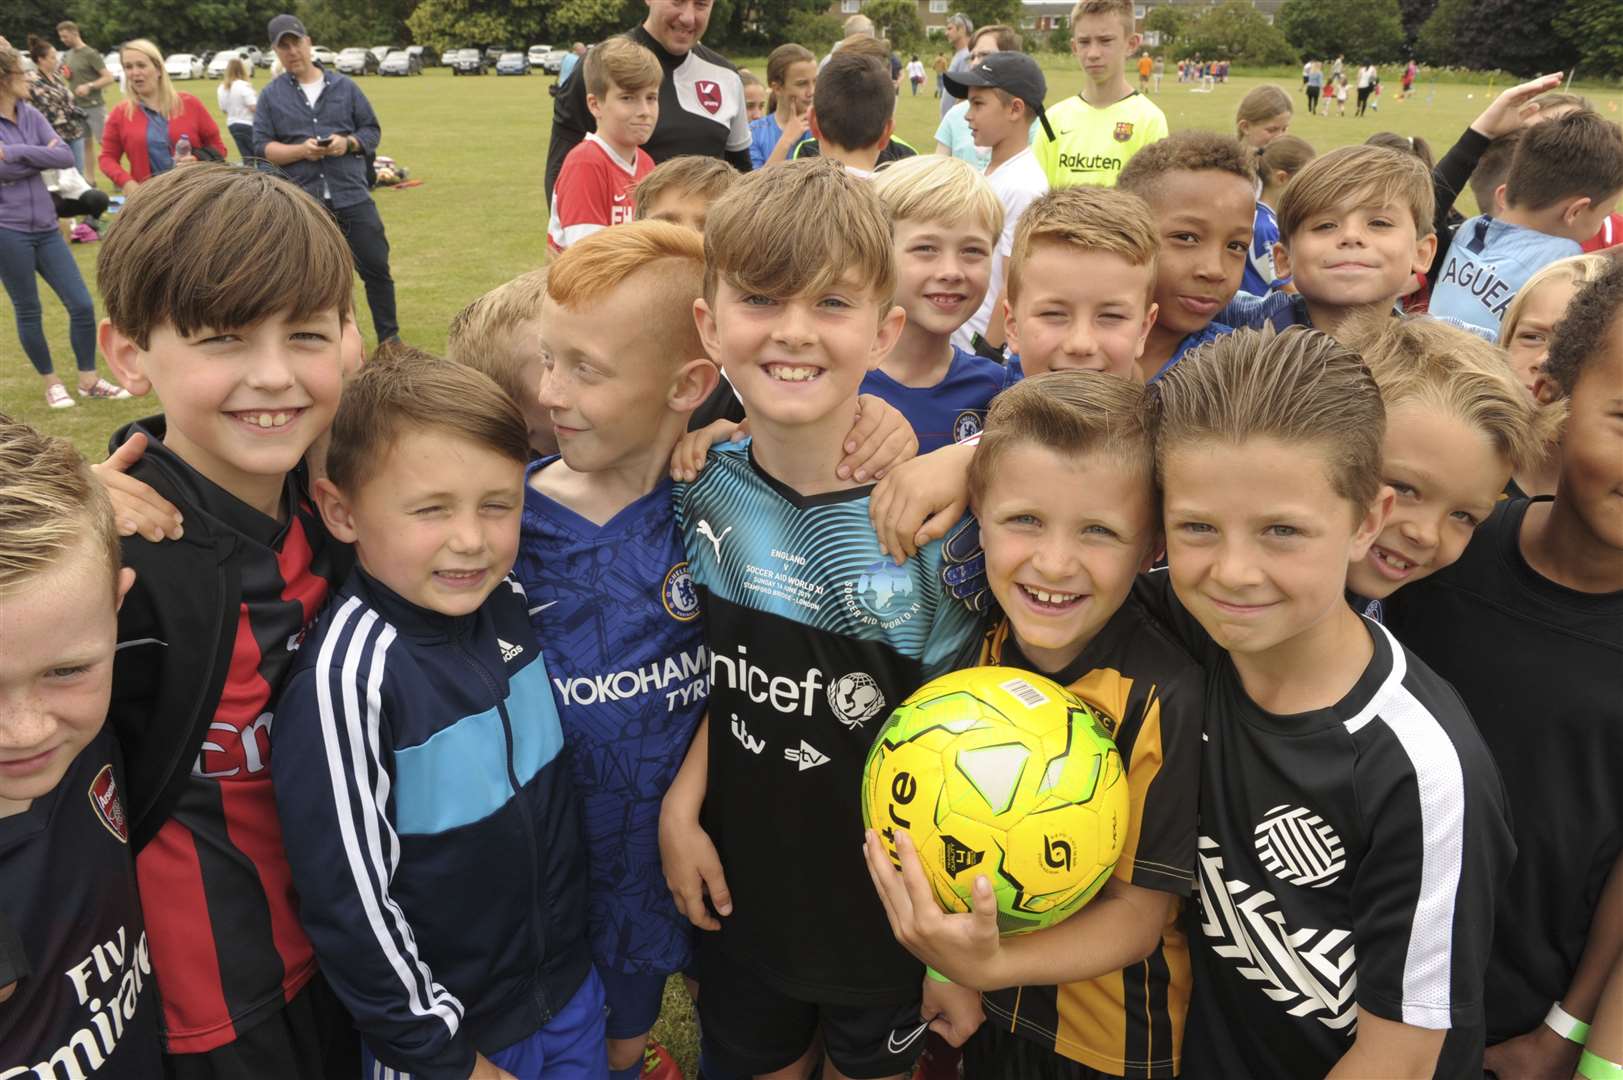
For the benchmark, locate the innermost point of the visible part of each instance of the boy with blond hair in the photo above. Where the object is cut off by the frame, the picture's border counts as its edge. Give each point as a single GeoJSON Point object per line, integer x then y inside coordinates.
{"type": "Point", "coordinates": [248, 368]}
{"type": "Point", "coordinates": [76, 995]}
{"type": "Point", "coordinates": [1096, 133]}
{"type": "Point", "coordinates": [449, 914]}
{"type": "Point", "coordinates": [1355, 226]}
{"type": "Point", "coordinates": [797, 308]}
{"type": "Point", "coordinates": [1063, 488]}
{"type": "Point", "coordinates": [682, 190]}
{"type": "Point", "coordinates": [1353, 830]}
{"type": "Point", "coordinates": [946, 219]}
{"type": "Point", "coordinates": [1564, 180]}
{"type": "Point", "coordinates": [500, 334]}
{"type": "Point", "coordinates": [595, 184]}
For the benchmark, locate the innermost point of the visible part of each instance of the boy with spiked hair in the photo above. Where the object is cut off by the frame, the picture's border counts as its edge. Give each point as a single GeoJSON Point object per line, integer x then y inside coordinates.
{"type": "Point", "coordinates": [240, 336]}
{"type": "Point", "coordinates": [796, 593]}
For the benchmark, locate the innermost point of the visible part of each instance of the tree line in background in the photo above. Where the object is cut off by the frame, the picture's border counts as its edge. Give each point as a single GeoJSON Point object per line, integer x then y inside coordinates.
{"type": "Point", "coordinates": [1512, 35]}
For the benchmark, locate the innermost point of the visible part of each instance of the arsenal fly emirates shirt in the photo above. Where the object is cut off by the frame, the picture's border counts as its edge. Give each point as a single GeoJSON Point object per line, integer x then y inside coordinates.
{"type": "Point", "coordinates": [594, 191]}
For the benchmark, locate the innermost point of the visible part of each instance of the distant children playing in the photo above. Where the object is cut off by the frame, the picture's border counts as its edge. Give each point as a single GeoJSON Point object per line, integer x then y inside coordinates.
{"type": "Point", "coordinates": [1096, 132]}
{"type": "Point", "coordinates": [1564, 180]}
{"type": "Point", "coordinates": [595, 185]}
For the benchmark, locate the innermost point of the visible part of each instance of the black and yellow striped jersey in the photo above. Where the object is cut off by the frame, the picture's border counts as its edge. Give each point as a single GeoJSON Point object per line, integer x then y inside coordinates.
{"type": "Point", "coordinates": [1148, 693]}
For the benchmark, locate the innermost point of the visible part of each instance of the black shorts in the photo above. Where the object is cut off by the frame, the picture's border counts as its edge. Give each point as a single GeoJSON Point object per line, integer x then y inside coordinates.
{"type": "Point", "coordinates": [994, 1054]}
{"type": "Point", "coordinates": [311, 1038]}
{"type": "Point", "coordinates": [751, 1027]}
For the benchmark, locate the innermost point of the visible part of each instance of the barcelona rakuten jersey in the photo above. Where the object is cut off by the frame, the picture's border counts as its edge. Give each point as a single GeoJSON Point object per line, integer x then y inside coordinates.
{"type": "Point", "coordinates": [814, 637]}
{"type": "Point", "coordinates": [618, 620]}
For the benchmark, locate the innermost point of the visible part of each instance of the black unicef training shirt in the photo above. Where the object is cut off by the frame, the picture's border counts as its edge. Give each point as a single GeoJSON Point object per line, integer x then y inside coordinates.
{"type": "Point", "coordinates": [1541, 668]}
{"type": "Point", "coordinates": [1348, 859]}
{"type": "Point", "coordinates": [86, 1003]}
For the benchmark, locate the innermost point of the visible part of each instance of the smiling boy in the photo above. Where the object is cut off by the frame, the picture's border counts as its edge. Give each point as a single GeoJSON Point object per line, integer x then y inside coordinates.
{"type": "Point", "coordinates": [797, 596]}
{"type": "Point", "coordinates": [247, 367]}
{"type": "Point", "coordinates": [1352, 825]}
{"type": "Point", "coordinates": [1355, 226]}
{"type": "Point", "coordinates": [594, 188]}
{"type": "Point", "coordinates": [428, 816]}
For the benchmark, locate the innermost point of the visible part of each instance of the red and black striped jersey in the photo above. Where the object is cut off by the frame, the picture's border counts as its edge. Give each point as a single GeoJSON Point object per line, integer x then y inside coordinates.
{"type": "Point", "coordinates": [222, 917]}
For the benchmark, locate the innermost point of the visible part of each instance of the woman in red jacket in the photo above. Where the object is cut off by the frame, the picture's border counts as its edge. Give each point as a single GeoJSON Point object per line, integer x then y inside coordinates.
{"type": "Point", "coordinates": [144, 128]}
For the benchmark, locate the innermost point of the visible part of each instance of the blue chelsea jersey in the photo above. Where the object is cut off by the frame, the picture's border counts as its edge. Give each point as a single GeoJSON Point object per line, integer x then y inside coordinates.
{"type": "Point", "coordinates": [618, 619]}
{"type": "Point", "coordinates": [950, 411]}
{"type": "Point", "coordinates": [815, 636]}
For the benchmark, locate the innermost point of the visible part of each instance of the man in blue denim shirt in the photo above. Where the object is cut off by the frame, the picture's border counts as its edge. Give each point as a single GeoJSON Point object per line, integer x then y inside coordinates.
{"type": "Point", "coordinates": [318, 127]}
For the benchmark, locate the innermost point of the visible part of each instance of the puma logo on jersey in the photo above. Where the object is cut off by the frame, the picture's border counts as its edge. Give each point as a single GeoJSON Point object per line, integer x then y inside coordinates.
{"type": "Point", "coordinates": [509, 652]}
{"type": "Point", "coordinates": [715, 541]}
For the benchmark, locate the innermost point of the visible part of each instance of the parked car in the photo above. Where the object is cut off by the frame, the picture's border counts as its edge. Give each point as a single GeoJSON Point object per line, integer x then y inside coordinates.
{"type": "Point", "coordinates": [324, 56]}
{"type": "Point", "coordinates": [467, 62]}
{"type": "Point", "coordinates": [264, 59]}
{"type": "Point", "coordinates": [115, 64]}
{"type": "Point", "coordinates": [357, 62]}
{"type": "Point", "coordinates": [400, 62]}
{"type": "Point", "coordinates": [512, 63]}
{"type": "Point", "coordinates": [219, 60]}
{"type": "Point", "coordinates": [425, 56]}
{"type": "Point", "coordinates": [381, 51]}
{"type": "Point", "coordinates": [493, 53]}
{"type": "Point", "coordinates": [184, 66]}
{"type": "Point", "coordinates": [553, 61]}
{"type": "Point", "coordinates": [535, 53]}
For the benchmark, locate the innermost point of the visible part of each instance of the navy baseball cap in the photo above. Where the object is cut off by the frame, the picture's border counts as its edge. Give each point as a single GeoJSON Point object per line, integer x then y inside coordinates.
{"type": "Point", "coordinates": [1014, 73]}
{"type": "Point", "coordinates": [283, 25]}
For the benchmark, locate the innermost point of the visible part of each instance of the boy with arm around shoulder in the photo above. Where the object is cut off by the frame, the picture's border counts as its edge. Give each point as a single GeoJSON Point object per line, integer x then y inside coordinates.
{"type": "Point", "coordinates": [75, 966]}
{"type": "Point", "coordinates": [1063, 488]}
{"type": "Point", "coordinates": [248, 374]}
{"type": "Point", "coordinates": [796, 318]}
{"type": "Point", "coordinates": [430, 820]}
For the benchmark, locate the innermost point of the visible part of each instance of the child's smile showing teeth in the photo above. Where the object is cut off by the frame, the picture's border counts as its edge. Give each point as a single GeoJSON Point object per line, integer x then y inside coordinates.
{"type": "Point", "coordinates": [793, 372]}
{"type": "Point", "coordinates": [1049, 600]}
{"type": "Point", "coordinates": [267, 419]}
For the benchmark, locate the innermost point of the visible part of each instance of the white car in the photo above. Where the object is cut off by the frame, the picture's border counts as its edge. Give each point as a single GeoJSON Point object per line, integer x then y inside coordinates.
{"type": "Point", "coordinates": [324, 56]}
{"type": "Point", "coordinates": [183, 66]}
{"type": "Point", "coordinates": [224, 57]}
{"type": "Point", "coordinates": [115, 64]}
{"type": "Point", "coordinates": [536, 53]}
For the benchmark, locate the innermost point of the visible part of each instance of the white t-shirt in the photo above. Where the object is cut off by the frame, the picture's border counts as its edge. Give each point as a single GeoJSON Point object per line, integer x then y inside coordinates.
{"type": "Point", "coordinates": [915, 70]}
{"type": "Point", "coordinates": [237, 102]}
{"type": "Point", "coordinates": [1018, 182]}
{"type": "Point", "coordinates": [312, 90]}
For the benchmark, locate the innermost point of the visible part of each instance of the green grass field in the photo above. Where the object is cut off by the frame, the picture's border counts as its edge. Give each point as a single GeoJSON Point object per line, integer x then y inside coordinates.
{"type": "Point", "coordinates": [479, 146]}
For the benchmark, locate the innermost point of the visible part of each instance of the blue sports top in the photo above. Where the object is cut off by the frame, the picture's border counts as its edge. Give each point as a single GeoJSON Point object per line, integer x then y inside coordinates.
{"type": "Point", "coordinates": [618, 621]}
{"type": "Point", "coordinates": [1488, 263]}
{"type": "Point", "coordinates": [815, 636]}
{"type": "Point", "coordinates": [951, 410]}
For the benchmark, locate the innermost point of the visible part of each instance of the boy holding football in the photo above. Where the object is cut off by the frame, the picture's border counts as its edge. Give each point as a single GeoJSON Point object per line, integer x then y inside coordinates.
{"type": "Point", "coordinates": [1062, 484]}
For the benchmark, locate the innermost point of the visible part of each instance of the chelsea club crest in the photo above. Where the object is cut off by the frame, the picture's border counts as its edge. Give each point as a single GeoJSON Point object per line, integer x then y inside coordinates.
{"type": "Point", "coordinates": [681, 600]}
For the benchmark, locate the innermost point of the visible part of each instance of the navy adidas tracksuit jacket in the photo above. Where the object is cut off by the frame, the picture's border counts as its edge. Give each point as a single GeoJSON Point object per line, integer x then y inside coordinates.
{"type": "Point", "coordinates": [431, 824]}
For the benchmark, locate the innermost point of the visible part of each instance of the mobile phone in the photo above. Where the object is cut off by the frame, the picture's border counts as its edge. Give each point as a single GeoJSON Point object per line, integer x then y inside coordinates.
{"type": "Point", "coordinates": [325, 140]}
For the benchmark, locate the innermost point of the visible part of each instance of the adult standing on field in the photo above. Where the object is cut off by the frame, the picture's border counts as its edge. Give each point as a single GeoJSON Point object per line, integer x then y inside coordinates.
{"type": "Point", "coordinates": [30, 244]}
{"type": "Point", "coordinates": [87, 74]}
{"type": "Point", "coordinates": [571, 58]}
{"type": "Point", "coordinates": [156, 127]}
{"type": "Point", "coordinates": [959, 33]}
{"type": "Point", "coordinates": [701, 97]}
{"type": "Point", "coordinates": [318, 127]}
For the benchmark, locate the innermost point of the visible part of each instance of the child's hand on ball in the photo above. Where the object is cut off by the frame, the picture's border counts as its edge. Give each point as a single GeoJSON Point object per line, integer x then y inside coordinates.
{"type": "Point", "coordinates": [964, 948]}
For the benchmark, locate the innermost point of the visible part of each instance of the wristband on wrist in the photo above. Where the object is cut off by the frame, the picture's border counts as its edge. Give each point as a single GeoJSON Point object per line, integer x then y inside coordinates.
{"type": "Point", "coordinates": [1595, 1067]}
{"type": "Point", "coordinates": [936, 975]}
{"type": "Point", "coordinates": [1566, 1025]}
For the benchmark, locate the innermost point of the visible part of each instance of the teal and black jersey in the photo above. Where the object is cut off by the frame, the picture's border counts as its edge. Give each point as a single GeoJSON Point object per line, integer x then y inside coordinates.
{"type": "Point", "coordinates": [814, 637]}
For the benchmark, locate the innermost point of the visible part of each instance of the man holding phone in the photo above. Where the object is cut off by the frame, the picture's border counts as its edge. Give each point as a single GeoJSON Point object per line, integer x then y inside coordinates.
{"type": "Point", "coordinates": [318, 127]}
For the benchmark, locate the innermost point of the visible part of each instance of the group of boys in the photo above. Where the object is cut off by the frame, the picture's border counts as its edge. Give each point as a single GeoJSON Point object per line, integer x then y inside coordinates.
{"type": "Point", "coordinates": [411, 685]}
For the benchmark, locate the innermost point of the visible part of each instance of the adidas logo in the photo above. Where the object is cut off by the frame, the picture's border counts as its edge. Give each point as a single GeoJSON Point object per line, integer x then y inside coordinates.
{"type": "Point", "coordinates": [509, 652]}
{"type": "Point", "coordinates": [808, 756]}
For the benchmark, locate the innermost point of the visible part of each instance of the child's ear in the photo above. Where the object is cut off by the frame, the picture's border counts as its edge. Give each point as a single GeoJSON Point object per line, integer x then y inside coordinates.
{"type": "Point", "coordinates": [1576, 209]}
{"type": "Point", "coordinates": [1374, 520]}
{"type": "Point", "coordinates": [1499, 202]}
{"type": "Point", "coordinates": [335, 510]}
{"type": "Point", "coordinates": [126, 579]}
{"type": "Point", "coordinates": [124, 357]}
{"type": "Point", "coordinates": [890, 129]}
{"type": "Point", "coordinates": [594, 106]}
{"type": "Point", "coordinates": [705, 319]}
{"type": "Point", "coordinates": [1011, 327]}
{"type": "Point", "coordinates": [1282, 260]}
{"type": "Point", "coordinates": [890, 330]}
{"type": "Point", "coordinates": [1150, 315]}
{"type": "Point", "coordinates": [1424, 249]}
{"type": "Point", "coordinates": [811, 125]}
{"type": "Point", "coordinates": [1545, 390]}
{"type": "Point", "coordinates": [693, 382]}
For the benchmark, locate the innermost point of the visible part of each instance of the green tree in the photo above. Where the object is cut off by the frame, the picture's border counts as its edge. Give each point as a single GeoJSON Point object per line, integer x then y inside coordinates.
{"type": "Point", "coordinates": [176, 25]}
{"type": "Point", "coordinates": [24, 17]}
{"type": "Point", "coordinates": [1438, 40]}
{"type": "Point", "coordinates": [1597, 28]}
{"type": "Point", "coordinates": [897, 21]}
{"type": "Point", "coordinates": [986, 12]}
{"type": "Point", "coordinates": [1512, 35]}
{"type": "Point", "coordinates": [447, 24]}
{"type": "Point", "coordinates": [816, 31]}
{"type": "Point", "coordinates": [1371, 30]}
{"type": "Point", "coordinates": [1237, 31]}
{"type": "Point", "coordinates": [341, 23]}
{"type": "Point", "coordinates": [1168, 20]}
